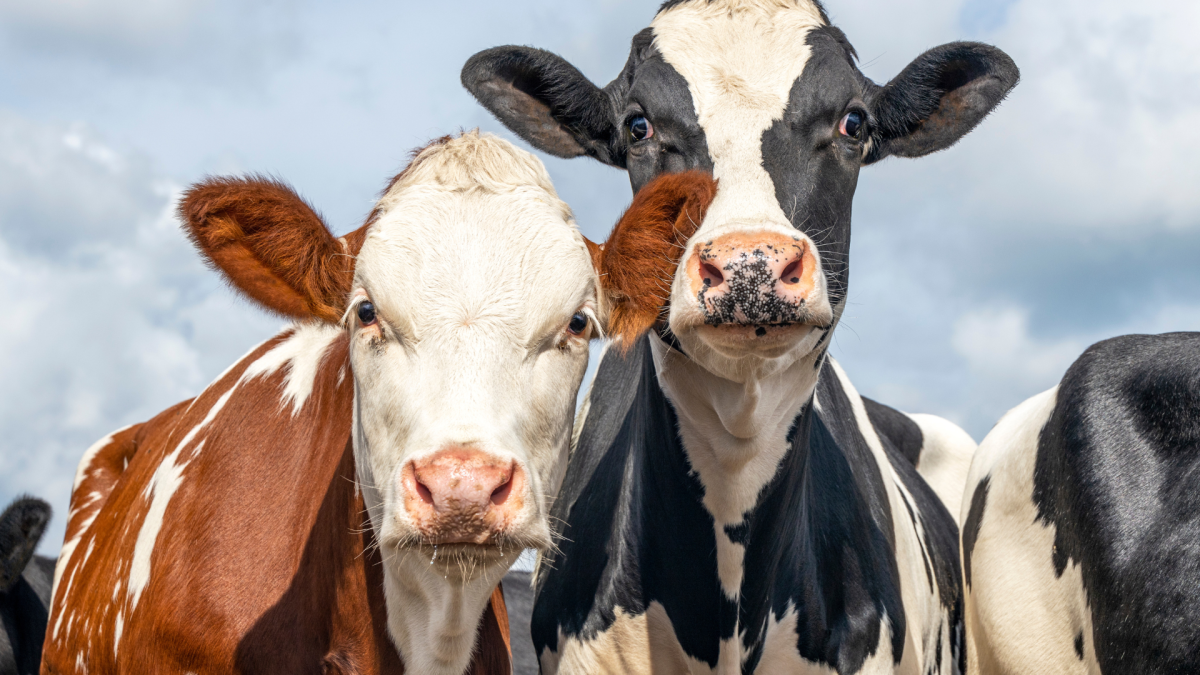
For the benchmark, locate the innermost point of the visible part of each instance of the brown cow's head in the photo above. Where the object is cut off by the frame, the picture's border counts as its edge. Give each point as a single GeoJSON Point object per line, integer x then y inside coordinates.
{"type": "Point", "coordinates": [468, 298]}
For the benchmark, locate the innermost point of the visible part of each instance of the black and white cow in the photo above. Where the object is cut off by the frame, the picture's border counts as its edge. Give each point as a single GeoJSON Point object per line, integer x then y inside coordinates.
{"type": "Point", "coordinates": [25, 581]}
{"type": "Point", "coordinates": [732, 503]}
{"type": "Point", "coordinates": [1081, 538]}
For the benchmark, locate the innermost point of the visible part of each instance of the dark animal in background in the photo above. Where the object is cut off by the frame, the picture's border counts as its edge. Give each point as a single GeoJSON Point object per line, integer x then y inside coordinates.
{"type": "Point", "coordinates": [1081, 533]}
{"type": "Point", "coordinates": [25, 580]}
{"type": "Point", "coordinates": [732, 503]}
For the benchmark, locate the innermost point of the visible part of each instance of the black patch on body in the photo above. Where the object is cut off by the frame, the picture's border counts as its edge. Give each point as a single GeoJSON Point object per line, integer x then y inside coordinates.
{"type": "Point", "coordinates": [820, 539]}
{"type": "Point", "coordinates": [970, 530]}
{"type": "Point", "coordinates": [634, 529]}
{"type": "Point", "coordinates": [1118, 476]}
{"type": "Point", "coordinates": [900, 429]}
{"type": "Point", "coordinates": [1079, 645]}
{"type": "Point", "coordinates": [25, 581]}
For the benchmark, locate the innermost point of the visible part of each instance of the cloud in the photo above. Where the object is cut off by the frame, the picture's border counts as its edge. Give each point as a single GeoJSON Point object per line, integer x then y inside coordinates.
{"type": "Point", "coordinates": [109, 314]}
{"type": "Point", "coordinates": [1070, 215]}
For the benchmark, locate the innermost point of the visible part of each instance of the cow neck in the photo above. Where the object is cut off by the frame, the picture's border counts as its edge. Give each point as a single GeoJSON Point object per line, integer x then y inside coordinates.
{"type": "Point", "coordinates": [735, 436]}
{"type": "Point", "coordinates": [434, 612]}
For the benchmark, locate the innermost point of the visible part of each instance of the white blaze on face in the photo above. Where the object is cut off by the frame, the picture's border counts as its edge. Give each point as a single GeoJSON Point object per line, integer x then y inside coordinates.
{"type": "Point", "coordinates": [740, 59]}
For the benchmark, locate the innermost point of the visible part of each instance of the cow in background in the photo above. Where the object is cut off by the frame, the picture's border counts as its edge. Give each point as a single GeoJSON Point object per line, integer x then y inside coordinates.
{"type": "Point", "coordinates": [1081, 534]}
{"type": "Point", "coordinates": [732, 504]}
{"type": "Point", "coordinates": [24, 585]}
{"type": "Point", "coordinates": [360, 482]}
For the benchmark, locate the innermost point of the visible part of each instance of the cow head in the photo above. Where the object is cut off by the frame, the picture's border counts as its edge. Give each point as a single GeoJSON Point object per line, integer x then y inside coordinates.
{"type": "Point", "coordinates": [468, 300]}
{"type": "Point", "coordinates": [766, 96]}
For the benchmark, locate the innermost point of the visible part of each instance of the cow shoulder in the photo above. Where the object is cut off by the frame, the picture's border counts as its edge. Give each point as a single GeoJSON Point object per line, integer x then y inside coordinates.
{"type": "Point", "coordinates": [1118, 478]}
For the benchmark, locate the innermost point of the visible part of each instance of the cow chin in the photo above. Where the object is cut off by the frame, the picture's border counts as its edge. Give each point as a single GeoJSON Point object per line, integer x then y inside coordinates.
{"type": "Point", "coordinates": [745, 351]}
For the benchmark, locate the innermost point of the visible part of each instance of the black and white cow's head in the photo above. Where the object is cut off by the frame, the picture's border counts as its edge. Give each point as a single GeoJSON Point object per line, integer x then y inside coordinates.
{"type": "Point", "coordinates": [765, 94]}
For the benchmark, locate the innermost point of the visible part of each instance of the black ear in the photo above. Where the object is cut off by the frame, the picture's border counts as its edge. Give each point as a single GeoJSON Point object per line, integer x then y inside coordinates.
{"type": "Point", "coordinates": [938, 98]}
{"type": "Point", "coordinates": [21, 528]}
{"type": "Point", "coordinates": [544, 100]}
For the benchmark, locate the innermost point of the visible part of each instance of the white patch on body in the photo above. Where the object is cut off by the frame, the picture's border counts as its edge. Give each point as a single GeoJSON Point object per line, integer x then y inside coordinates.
{"type": "Point", "coordinates": [1020, 617]}
{"type": "Point", "coordinates": [301, 353]}
{"type": "Point", "coordinates": [162, 486]}
{"type": "Point", "coordinates": [642, 644]}
{"type": "Point", "coordinates": [946, 454]}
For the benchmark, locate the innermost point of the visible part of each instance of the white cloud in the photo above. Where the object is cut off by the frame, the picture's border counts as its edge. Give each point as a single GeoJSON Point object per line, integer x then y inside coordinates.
{"type": "Point", "coordinates": [109, 314]}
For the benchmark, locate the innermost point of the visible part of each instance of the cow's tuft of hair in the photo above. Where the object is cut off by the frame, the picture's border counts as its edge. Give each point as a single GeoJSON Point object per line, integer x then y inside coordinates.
{"type": "Point", "coordinates": [21, 527]}
{"type": "Point", "coordinates": [473, 162]}
{"type": "Point", "coordinates": [638, 261]}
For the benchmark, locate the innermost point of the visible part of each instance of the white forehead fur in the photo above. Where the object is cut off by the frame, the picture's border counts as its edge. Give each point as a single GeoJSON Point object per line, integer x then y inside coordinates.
{"type": "Point", "coordinates": [472, 232]}
{"type": "Point", "coordinates": [740, 59]}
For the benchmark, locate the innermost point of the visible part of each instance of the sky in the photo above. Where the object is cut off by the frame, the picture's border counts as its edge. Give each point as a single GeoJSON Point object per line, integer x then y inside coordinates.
{"type": "Point", "coordinates": [978, 274]}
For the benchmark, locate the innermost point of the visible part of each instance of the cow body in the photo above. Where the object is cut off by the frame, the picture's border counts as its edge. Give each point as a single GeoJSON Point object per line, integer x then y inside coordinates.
{"type": "Point", "coordinates": [844, 561]}
{"type": "Point", "coordinates": [24, 586]}
{"type": "Point", "coordinates": [1079, 533]}
{"type": "Point", "coordinates": [347, 496]}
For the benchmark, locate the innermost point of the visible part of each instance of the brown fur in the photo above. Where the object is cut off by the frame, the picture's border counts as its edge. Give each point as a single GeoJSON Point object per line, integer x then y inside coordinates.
{"type": "Point", "coordinates": [265, 562]}
{"type": "Point", "coordinates": [270, 244]}
{"type": "Point", "coordinates": [638, 261]}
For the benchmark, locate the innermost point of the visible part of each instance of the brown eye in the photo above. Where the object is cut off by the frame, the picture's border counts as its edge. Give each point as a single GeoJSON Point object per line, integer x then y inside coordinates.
{"type": "Point", "coordinates": [640, 129]}
{"type": "Point", "coordinates": [579, 323]}
{"type": "Point", "coordinates": [852, 125]}
{"type": "Point", "coordinates": [366, 313]}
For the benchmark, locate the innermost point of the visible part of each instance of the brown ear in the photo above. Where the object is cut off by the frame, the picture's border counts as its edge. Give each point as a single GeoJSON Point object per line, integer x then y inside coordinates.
{"type": "Point", "coordinates": [638, 261]}
{"type": "Point", "coordinates": [271, 245]}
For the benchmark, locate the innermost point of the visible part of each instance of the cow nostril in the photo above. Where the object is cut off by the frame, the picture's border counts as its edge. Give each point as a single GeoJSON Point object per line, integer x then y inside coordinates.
{"type": "Point", "coordinates": [710, 275]}
{"type": "Point", "coordinates": [423, 492]}
{"type": "Point", "coordinates": [500, 494]}
{"type": "Point", "coordinates": [791, 273]}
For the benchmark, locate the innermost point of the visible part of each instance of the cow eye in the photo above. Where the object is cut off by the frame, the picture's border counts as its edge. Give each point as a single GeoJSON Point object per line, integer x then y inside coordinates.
{"type": "Point", "coordinates": [366, 313]}
{"type": "Point", "coordinates": [640, 128]}
{"type": "Point", "coordinates": [579, 323]}
{"type": "Point", "coordinates": [852, 125]}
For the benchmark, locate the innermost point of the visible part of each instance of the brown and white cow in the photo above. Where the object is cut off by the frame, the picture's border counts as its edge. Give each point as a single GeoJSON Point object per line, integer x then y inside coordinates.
{"type": "Point", "coordinates": [347, 496]}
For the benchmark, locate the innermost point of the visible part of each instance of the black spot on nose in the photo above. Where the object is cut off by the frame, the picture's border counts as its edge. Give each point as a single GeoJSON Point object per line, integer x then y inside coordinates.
{"type": "Point", "coordinates": [760, 331]}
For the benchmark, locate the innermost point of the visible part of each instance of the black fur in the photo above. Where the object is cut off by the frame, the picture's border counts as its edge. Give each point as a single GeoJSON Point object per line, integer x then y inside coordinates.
{"type": "Point", "coordinates": [1118, 476]}
{"type": "Point", "coordinates": [25, 581]}
{"type": "Point", "coordinates": [970, 528]}
{"type": "Point", "coordinates": [635, 531]}
{"type": "Point", "coordinates": [898, 427]}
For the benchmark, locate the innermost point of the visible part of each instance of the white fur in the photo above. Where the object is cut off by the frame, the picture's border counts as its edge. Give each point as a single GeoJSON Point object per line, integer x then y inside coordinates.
{"type": "Point", "coordinates": [946, 454]}
{"type": "Point", "coordinates": [162, 486]}
{"type": "Point", "coordinates": [733, 469]}
{"type": "Point", "coordinates": [740, 59]}
{"type": "Point", "coordinates": [301, 354]}
{"type": "Point", "coordinates": [475, 268]}
{"type": "Point", "coordinates": [1020, 618]}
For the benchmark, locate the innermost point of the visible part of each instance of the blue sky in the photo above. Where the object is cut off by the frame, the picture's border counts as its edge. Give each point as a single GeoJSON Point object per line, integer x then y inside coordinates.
{"type": "Point", "coordinates": [977, 276]}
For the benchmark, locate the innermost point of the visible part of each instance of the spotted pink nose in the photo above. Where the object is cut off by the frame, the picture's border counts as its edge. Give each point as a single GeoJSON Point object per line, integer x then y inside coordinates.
{"type": "Point", "coordinates": [462, 495]}
{"type": "Point", "coordinates": [752, 278]}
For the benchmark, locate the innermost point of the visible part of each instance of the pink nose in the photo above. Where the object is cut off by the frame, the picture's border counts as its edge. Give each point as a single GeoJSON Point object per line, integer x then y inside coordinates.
{"type": "Point", "coordinates": [752, 278]}
{"type": "Point", "coordinates": [462, 495]}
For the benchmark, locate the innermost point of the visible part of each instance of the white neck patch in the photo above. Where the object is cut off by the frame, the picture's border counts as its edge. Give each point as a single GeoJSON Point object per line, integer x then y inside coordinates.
{"type": "Point", "coordinates": [740, 59]}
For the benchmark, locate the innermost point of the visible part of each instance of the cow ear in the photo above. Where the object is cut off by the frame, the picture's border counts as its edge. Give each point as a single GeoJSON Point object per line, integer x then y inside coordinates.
{"type": "Point", "coordinates": [21, 528]}
{"type": "Point", "coordinates": [637, 264]}
{"type": "Point", "coordinates": [544, 100]}
{"type": "Point", "coordinates": [271, 245]}
{"type": "Point", "coordinates": [938, 98]}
